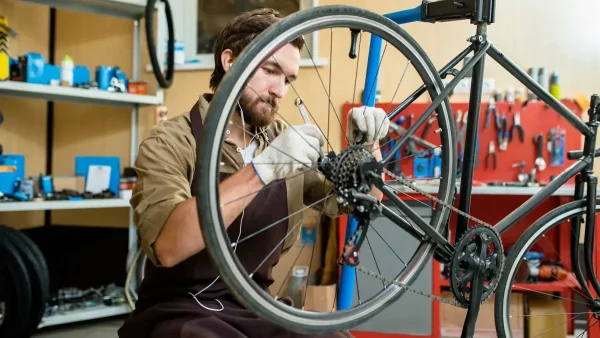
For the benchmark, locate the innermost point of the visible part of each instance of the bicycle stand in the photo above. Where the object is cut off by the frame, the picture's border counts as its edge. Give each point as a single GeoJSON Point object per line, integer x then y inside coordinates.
{"type": "Point", "coordinates": [478, 278]}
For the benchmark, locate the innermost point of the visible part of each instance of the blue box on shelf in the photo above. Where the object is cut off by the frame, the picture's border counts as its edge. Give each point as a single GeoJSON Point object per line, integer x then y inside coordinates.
{"type": "Point", "coordinates": [9, 177]}
{"type": "Point", "coordinates": [83, 163]}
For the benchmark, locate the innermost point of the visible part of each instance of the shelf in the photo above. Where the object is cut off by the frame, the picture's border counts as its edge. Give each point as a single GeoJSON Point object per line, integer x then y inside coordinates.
{"type": "Point", "coordinates": [131, 9]}
{"type": "Point", "coordinates": [570, 284]}
{"type": "Point", "coordinates": [65, 205]}
{"type": "Point", "coordinates": [567, 190]}
{"type": "Point", "coordinates": [68, 94]}
{"type": "Point", "coordinates": [96, 312]}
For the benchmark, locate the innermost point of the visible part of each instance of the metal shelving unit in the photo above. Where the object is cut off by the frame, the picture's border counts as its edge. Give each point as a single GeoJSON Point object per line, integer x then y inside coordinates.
{"type": "Point", "coordinates": [79, 95]}
{"type": "Point", "coordinates": [96, 312]}
{"type": "Point", "coordinates": [65, 205]}
{"type": "Point", "coordinates": [129, 9]}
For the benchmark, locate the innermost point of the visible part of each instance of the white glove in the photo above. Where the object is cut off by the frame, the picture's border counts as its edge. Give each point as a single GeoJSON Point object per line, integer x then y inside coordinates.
{"type": "Point", "coordinates": [293, 151]}
{"type": "Point", "coordinates": [367, 124]}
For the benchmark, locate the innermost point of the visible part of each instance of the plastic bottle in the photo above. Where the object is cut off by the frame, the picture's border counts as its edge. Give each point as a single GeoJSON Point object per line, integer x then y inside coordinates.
{"type": "Point", "coordinates": [295, 288]}
{"type": "Point", "coordinates": [66, 71]}
{"type": "Point", "coordinates": [554, 86]}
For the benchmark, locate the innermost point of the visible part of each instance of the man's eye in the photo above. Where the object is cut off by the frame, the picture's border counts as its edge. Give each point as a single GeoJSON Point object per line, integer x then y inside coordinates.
{"type": "Point", "coordinates": [269, 71]}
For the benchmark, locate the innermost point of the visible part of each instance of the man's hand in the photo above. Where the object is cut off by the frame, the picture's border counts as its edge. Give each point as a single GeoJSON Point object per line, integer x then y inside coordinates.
{"type": "Point", "coordinates": [295, 150]}
{"type": "Point", "coordinates": [367, 124]}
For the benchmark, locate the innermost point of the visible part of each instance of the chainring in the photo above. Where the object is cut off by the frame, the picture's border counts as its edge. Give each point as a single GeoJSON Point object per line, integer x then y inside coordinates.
{"type": "Point", "coordinates": [465, 263]}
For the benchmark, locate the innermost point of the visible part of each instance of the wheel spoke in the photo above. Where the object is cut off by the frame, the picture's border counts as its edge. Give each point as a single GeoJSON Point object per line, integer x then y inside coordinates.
{"type": "Point", "coordinates": [277, 246]}
{"type": "Point", "coordinates": [555, 326]}
{"type": "Point", "coordinates": [281, 151]}
{"type": "Point", "coordinates": [312, 255]}
{"type": "Point", "coordinates": [586, 330]}
{"type": "Point", "coordinates": [330, 69]}
{"type": "Point", "coordinates": [281, 220]}
{"type": "Point", "coordinates": [286, 121]}
{"type": "Point", "coordinates": [389, 246]}
{"type": "Point", "coordinates": [290, 270]}
{"type": "Point", "coordinates": [323, 84]}
{"type": "Point", "coordinates": [374, 258]}
{"type": "Point", "coordinates": [548, 294]}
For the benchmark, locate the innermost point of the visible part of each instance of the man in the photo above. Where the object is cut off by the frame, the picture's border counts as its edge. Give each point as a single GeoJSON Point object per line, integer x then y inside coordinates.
{"type": "Point", "coordinates": [182, 294]}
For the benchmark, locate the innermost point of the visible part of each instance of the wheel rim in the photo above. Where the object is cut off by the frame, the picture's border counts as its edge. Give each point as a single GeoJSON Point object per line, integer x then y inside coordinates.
{"type": "Point", "coordinates": [312, 322]}
{"type": "Point", "coordinates": [517, 257]}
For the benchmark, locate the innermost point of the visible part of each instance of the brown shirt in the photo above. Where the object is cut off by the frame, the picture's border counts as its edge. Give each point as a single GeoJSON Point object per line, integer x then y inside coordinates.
{"type": "Point", "coordinates": [165, 168]}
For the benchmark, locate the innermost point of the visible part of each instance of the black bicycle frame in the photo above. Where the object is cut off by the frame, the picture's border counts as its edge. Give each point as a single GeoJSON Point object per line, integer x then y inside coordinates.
{"type": "Point", "coordinates": [582, 168]}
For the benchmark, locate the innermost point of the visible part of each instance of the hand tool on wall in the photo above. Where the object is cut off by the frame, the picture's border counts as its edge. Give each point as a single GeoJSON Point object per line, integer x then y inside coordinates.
{"type": "Point", "coordinates": [491, 154]}
{"type": "Point", "coordinates": [492, 110]}
{"type": "Point", "coordinates": [503, 133]}
{"type": "Point", "coordinates": [411, 145]}
{"type": "Point", "coordinates": [460, 135]}
{"type": "Point", "coordinates": [427, 127]}
{"type": "Point", "coordinates": [522, 176]}
{"type": "Point", "coordinates": [557, 146]}
{"type": "Point", "coordinates": [413, 139]}
{"type": "Point", "coordinates": [539, 161]}
{"type": "Point", "coordinates": [517, 125]}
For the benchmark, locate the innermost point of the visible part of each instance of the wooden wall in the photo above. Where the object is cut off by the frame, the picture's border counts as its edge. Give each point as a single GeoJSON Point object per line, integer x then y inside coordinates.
{"type": "Point", "coordinates": [528, 31]}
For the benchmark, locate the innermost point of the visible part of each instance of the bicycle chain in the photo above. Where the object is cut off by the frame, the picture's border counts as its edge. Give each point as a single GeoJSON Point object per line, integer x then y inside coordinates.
{"type": "Point", "coordinates": [410, 185]}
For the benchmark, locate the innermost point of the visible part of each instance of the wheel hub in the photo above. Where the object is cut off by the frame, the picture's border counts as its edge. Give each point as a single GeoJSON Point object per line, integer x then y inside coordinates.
{"type": "Point", "coordinates": [465, 263]}
{"type": "Point", "coordinates": [595, 308]}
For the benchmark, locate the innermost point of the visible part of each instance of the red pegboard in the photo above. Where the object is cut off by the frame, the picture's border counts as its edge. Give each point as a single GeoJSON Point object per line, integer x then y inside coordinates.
{"type": "Point", "coordinates": [536, 118]}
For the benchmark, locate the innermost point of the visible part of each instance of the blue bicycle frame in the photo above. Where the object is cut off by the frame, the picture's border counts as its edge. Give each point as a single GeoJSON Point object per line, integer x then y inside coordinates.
{"type": "Point", "coordinates": [347, 279]}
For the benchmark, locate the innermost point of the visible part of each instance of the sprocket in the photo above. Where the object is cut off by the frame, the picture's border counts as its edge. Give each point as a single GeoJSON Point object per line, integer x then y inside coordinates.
{"type": "Point", "coordinates": [345, 173]}
{"type": "Point", "coordinates": [465, 262]}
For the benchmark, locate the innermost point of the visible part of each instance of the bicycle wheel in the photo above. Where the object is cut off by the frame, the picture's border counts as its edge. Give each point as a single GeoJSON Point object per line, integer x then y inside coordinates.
{"type": "Point", "coordinates": [549, 277]}
{"type": "Point", "coordinates": [334, 20]}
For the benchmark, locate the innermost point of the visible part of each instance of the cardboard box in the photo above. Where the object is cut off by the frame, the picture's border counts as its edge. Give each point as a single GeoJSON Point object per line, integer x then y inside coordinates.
{"type": "Point", "coordinates": [321, 298]}
{"type": "Point", "coordinates": [546, 316]}
{"type": "Point", "coordinates": [453, 318]}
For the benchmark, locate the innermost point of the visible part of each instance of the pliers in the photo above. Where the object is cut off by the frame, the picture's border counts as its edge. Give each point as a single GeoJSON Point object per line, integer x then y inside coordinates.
{"type": "Point", "coordinates": [518, 126]}
{"type": "Point", "coordinates": [503, 133]}
{"type": "Point", "coordinates": [491, 154]}
{"type": "Point", "coordinates": [492, 110]}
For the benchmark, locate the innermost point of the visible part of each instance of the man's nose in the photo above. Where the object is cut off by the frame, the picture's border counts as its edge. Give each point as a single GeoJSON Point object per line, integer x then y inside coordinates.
{"type": "Point", "coordinates": [278, 88]}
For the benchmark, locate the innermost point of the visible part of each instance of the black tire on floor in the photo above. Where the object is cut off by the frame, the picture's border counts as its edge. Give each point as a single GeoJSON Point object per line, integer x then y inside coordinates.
{"type": "Point", "coordinates": [16, 291]}
{"type": "Point", "coordinates": [38, 274]}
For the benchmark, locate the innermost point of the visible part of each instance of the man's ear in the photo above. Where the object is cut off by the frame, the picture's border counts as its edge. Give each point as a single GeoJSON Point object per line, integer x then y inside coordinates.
{"type": "Point", "coordinates": [227, 59]}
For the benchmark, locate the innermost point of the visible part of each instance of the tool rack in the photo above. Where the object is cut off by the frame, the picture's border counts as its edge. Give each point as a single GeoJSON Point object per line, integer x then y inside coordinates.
{"type": "Point", "coordinates": [504, 199]}
{"type": "Point", "coordinates": [129, 9]}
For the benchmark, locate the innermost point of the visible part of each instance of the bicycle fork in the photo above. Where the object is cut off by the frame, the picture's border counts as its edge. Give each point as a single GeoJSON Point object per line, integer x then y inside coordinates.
{"type": "Point", "coordinates": [588, 179]}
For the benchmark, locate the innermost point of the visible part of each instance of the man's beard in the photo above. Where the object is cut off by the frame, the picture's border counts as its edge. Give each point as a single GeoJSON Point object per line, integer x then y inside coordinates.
{"type": "Point", "coordinates": [258, 116]}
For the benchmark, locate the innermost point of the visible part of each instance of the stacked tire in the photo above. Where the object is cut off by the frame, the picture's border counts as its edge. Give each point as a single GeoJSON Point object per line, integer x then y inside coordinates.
{"type": "Point", "coordinates": [24, 284]}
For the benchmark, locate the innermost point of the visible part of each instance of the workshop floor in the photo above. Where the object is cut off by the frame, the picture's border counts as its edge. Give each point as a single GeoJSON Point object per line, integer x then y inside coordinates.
{"type": "Point", "coordinates": [108, 329]}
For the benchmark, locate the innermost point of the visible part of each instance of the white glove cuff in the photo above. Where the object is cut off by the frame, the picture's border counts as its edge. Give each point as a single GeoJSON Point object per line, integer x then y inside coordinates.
{"type": "Point", "coordinates": [264, 172]}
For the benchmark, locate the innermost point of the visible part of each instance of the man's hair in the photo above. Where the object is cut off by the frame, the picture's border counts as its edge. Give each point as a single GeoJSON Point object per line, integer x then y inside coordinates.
{"type": "Point", "coordinates": [239, 32]}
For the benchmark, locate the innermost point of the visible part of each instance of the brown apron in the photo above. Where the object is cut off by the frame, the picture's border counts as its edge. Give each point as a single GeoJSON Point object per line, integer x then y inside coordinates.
{"type": "Point", "coordinates": [165, 307]}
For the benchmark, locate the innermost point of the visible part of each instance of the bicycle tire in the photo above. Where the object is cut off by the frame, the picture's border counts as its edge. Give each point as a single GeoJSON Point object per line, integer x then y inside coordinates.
{"type": "Point", "coordinates": [208, 159]}
{"type": "Point", "coordinates": [38, 273]}
{"type": "Point", "coordinates": [14, 272]}
{"type": "Point", "coordinates": [541, 226]}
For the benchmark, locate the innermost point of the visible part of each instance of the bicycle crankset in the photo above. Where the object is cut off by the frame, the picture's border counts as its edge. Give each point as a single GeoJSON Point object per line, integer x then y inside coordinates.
{"type": "Point", "coordinates": [466, 262]}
